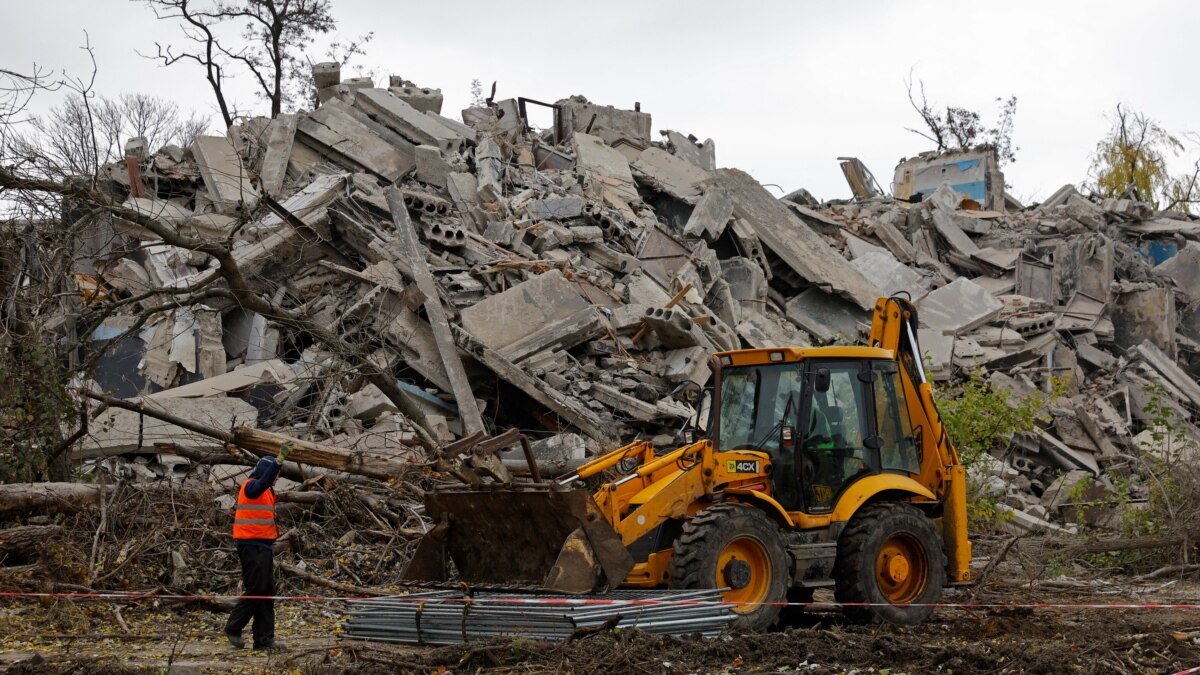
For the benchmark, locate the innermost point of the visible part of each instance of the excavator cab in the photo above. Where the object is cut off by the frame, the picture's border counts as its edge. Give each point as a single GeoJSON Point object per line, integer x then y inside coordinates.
{"type": "Point", "coordinates": [825, 423]}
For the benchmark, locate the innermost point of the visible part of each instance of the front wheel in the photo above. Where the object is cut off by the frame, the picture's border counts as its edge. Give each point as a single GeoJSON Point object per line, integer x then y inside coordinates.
{"type": "Point", "coordinates": [736, 547]}
{"type": "Point", "coordinates": [890, 560]}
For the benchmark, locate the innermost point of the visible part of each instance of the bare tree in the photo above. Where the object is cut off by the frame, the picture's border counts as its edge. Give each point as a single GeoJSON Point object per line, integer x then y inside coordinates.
{"type": "Point", "coordinates": [198, 26]}
{"type": "Point", "coordinates": [961, 128]}
{"type": "Point", "coordinates": [263, 39]}
{"type": "Point", "coordinates": [85, 132]}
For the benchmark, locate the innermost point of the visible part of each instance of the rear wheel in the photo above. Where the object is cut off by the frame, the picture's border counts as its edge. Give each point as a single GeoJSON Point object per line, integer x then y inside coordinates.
{"type": "Point", "coordinates": [737, 547]}
{"type": "Point", "coordinates": [890, 557]}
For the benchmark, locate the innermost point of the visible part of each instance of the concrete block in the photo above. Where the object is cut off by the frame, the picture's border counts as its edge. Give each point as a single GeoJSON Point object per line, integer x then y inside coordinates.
{"type": "Point", "coordinates": [1084, 211]}
{"type": "Point", "coordinates": [556, 208]}
{"type": "Point", "coordinates": [431, 168]}
{"type": "Point", "coordinates": [126, 275]}
{"type": "Point", "coordinates": [1183, 271]}
{"type": "Point", "coordinates": [689, 363]}
{"type": "Point", "coordinates": [587, 234]}
{"type": "Point", "coordinates": [326, 74]}
{"type": "Point", "coordinates": [358, 83]}
{"type": "Point", "coordinates": [702, 155]}
{"type": "Point", "coordinates": [281, 133]}
{"type": "Point", "coordinates": [675, 329]}
{"type": "Point", "coordinates": [796, 245]}
{"type": "Point", "coordinates": [747, 282]}
{"type": "Point", "coordinates": [420, 98]}
{"type": "Point", "coordinates": [958, 307]}
{"type": "Point", "coordinates": [937, 353]}
{"type": "Point", "coordinates": [335, 129]}
{"type": "Point", "coordinates": [605, 121]}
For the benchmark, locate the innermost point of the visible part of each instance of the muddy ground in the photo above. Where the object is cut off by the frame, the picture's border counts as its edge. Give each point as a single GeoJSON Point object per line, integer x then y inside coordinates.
{"type": "Point", "coordinates": [61, 637]}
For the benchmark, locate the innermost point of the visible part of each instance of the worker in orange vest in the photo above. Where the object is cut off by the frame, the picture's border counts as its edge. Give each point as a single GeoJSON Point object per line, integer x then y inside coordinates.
{"type": "Point", "coordinates": [255, 532]}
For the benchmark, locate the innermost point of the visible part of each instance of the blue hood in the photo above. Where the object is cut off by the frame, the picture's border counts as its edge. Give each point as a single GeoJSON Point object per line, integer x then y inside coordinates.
{"type": "Point", "coordinates": [262, 467]}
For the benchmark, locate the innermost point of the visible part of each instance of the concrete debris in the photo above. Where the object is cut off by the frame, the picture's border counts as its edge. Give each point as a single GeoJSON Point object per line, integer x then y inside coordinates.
{"type": "Point", "coordinates": [570, 280]}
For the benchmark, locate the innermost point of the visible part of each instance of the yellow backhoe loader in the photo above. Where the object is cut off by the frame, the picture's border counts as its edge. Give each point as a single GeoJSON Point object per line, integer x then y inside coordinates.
{"type": "Point", "coordinates": [818, 467]}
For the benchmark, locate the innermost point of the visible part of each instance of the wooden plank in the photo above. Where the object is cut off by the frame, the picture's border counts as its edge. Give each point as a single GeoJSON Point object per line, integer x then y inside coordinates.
{"type": "Point", "coordinates": [413, 253]}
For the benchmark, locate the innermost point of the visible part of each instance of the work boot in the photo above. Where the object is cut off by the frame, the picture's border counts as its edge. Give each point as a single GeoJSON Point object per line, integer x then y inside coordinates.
{"type": "Point", "coordinates": [236, 640]}
{"type": "Point", "coordinates": [273, 647]}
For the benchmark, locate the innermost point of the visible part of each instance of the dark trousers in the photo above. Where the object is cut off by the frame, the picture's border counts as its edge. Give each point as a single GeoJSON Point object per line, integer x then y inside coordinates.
{"type": "Point", "coordinates": [258, 575]}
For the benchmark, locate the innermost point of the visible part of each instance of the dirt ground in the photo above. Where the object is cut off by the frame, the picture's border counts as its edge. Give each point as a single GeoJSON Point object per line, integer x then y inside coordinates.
{"type": "Point", "coordinates": [61, 637]}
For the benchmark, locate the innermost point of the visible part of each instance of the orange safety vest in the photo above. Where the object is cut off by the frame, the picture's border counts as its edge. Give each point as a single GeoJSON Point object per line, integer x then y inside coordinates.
{"type": "Point", "coordinates": [255, 518]}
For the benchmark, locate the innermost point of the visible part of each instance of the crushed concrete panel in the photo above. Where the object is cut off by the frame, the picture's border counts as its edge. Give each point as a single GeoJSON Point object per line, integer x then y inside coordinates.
{"type": "Point", "coordinates": [958, 307]}
{"type": "Point", "coordinates": [792, 241]}
{"type": "Point", "coordinates": [504, 318]}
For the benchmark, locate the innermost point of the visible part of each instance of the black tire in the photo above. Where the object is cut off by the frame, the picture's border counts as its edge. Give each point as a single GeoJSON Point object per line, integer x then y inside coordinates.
{"type": "Point", "coordinates": [748, 539]}
{"type": "Point", "coordinates": [868, 571]}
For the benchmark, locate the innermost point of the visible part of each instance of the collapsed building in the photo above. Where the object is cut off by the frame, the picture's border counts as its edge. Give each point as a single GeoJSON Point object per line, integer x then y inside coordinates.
{"type": "Point", "coordinates": [567, 281]}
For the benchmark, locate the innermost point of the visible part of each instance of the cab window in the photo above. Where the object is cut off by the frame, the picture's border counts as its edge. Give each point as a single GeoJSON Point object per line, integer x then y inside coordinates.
{"type": "Point", "coordinates": [898, 452]}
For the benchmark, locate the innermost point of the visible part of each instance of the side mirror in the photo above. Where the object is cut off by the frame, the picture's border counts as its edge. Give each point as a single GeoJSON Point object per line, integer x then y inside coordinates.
{"type": "Point", "coordinates": [821, 381]}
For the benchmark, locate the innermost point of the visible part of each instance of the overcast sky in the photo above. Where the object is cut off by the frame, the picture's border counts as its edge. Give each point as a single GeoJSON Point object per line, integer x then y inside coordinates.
{"type": "Point", "coordinates": [784, 88]}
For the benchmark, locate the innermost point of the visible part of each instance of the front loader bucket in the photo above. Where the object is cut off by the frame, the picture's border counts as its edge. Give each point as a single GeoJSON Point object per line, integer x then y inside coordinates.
{"type": "Point", "coordinates": [558, 540]}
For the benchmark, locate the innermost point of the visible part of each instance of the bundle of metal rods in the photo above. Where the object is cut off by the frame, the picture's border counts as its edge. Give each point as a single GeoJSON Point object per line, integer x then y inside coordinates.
{"type": "Point", "coordinates": [448, 617]}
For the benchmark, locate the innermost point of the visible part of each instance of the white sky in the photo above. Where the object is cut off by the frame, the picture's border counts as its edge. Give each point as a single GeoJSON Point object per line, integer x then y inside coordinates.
{"type": "Point", "coordinates": [783, 88]}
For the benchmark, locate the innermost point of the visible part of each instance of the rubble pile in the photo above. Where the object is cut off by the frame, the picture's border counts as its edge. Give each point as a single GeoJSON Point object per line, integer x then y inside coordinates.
{"type": "Point", "coordinates": [567, 281]}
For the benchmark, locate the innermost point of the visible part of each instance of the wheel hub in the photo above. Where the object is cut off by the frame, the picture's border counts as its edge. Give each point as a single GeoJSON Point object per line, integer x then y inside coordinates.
{"type": "Point", "coordinates": [737, 574]}
{"type": "Point", "coordinates": [898, 569]}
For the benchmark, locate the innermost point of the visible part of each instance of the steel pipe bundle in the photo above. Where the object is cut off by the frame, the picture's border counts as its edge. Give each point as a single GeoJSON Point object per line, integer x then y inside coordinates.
{"type": "Point", "coordinates": [447, 617]}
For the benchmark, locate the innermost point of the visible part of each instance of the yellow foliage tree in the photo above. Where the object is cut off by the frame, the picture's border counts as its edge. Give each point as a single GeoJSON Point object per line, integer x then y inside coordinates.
{"type": "Point", "coordinates": [1132, 161]}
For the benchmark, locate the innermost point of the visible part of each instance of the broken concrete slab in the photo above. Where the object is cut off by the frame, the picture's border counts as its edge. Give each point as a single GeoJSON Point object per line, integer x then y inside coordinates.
{"type": "Point", "coordinates": [393, 112]}
{"type": "Point", "coordinates": [712, 213]}
{"type": "Point", "coordinates": [666, 172]}
{"type": "Point", "coordinates": [334, 130]}
{"type": "Point", "coordinates": [1183, 271]}
{"type": "Point", "coordinates": [227, 181]}
{"type": "Point", "coordinates": [1141, 314]}
{"type": "Point", "coordinates": [793, 242]}
{"type": "Point", "coordinates": [958, 307]}
{"type": "Point", "coordinates": [118, 431]}
{"type": "Point", "coordinates": [605, 171]}
{"type": "Point", "coordinates": [503, 319]}
{"type": "Point", "coordinates": [281, 132]}
{"type": "Point", "coordinates": [888, 274]}
{"type": "Point", "coordinates": [827, 317]}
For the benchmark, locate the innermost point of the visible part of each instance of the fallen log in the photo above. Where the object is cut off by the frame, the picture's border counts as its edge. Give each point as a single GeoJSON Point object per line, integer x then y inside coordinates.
{"type": "Point", "coordinates": [24, 498]}
{"type": "Point", "coordinates": [262, 442]}
{"type": "Point", "coordinates": [23, 541]}
{"type": "Point", "coordinates": [306, 452]}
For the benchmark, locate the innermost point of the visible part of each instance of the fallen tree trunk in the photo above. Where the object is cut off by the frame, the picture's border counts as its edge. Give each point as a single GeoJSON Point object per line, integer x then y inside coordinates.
{"type": "Point", "coordinates": [267, 443]}
{"type": "Point", "coordinates": [23, 541]}
{"type": "Point", "coordinates": [23, 498]}
{"type": "Point", "coordinates": [306, 452]}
